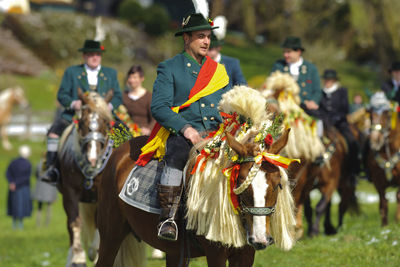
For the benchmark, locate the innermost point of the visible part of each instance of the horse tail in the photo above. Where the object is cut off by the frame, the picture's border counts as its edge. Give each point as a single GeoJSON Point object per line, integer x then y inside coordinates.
{"type": "Point", "coordinates": [90, 234]}
{"type": "Point", "coordinates": [132, 252]}
{"type": "Point", "coordinates": [283, 220]}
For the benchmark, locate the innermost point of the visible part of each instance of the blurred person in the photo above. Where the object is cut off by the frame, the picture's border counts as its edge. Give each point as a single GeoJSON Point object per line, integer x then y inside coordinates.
{"type": "Point", "coordinates": [232, 65]}
{"type": "Point", "coordinates": [89, 76]}
{"type": "Point", "coordinates": [45, 195]}
{"type": "Point", "coordinates": [137, 100]}
{"type": "Point", "coordinates": [391, 86]}
{"type": "Point", "coordinates": [333, 110]}
{"type": "Point", "coordinates": [303, 72]}
{"type": "Point", "coordinates": [19, 204]}
{"type": "Point", "coordinates": [357, 103]}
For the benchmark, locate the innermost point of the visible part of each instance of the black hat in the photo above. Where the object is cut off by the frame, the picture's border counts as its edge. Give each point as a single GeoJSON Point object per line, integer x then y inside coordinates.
{"type": "Point", "coordinates": [395, 66]}
{"type": "Point", "coordinates": [195, 22]}
{"type": "Point", "coordinates": [215, 42]}
{"type": "Point", "coordinates": [330, 74]}
{"type": "Point", "coordinates": [293, 43]}
{"type": "Point", "coordinates": [91, 46]}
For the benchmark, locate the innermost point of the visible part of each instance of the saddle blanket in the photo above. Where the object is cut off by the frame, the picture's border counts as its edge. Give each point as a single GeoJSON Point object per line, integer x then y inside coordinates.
{"type": "Point", "coordinates": [140, 188]}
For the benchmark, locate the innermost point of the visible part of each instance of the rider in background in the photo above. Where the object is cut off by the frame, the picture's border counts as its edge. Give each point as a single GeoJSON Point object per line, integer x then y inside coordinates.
{"type": "Point", "coordinates": [89, 76]}
{"type": "Point", "coordinates": [391, 86]}
{"type": "Point", "coordinates": [231, 64]}
{"type": "Point", "coordinates": [304, 72]}
{"type": "Point", "coordinates": [333, 110]}
{"type": "Point", "coordinates": [189, 76]}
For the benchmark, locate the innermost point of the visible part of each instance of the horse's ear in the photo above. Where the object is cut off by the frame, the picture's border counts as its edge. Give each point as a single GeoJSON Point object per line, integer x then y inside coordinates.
{"type": "Point", "coordinates": [277, 146]}
{"type": "Point", "coordinates": [109, 96]}
{"type": "Point", "coordinates": [80, 94]}
{"type": "Point", "coordinates": [235, 145]}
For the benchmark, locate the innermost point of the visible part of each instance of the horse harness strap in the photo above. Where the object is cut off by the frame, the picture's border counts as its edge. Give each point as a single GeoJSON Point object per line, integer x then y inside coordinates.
{"type": "Point", "coordinates": [387, 164]}
{"type": "Point", "coordinates": [91, 172]}
{"type": "Point", "coordinates": [257, 211]}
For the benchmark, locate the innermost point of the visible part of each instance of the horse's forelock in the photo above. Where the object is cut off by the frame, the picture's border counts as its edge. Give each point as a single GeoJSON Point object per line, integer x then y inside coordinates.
{"type": "Point", "coordinates": [97, 104]}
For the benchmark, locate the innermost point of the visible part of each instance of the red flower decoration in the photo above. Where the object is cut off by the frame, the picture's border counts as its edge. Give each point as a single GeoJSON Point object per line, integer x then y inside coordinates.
{"type": "Point", "coordinates": [102, 48]}
{"type": "Point", "coordinates": [308, 81]}
{"type": "Point", "coordinates": [398, 109]}
{"type": "Point", "coordinates": [112, 123]}
{"type": "Point", "coordinates": [75, 121]}
{"type": "Point", "coordinates": [268, 139]}
{"type": "Point", "coordinates": [211, 22]}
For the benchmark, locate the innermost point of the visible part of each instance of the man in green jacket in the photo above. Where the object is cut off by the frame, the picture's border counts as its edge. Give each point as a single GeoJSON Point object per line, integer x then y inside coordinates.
{"type": "Point", "coordinates": [90, 76]}
{"type": "Point", "coordinates": [304, 72]}
{"type": "Point", "coordinates": [180, 79]}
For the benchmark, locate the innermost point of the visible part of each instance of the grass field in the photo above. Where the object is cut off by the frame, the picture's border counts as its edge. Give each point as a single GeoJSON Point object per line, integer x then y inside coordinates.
{"type": "Point", "coordinates": [361, 241]}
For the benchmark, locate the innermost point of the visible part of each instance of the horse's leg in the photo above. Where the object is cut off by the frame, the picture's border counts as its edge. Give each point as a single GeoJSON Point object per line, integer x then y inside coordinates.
{"type": "Point", "coordinates": [308, 213]}
{"type": "Point", "coordinates": [299, 221]}
{"type": "Point", "coordinates": [4, 137]}
{"type": "Point", "coordinates": [76, 254]}
{"type": "Point", "coordinates": [383, 206]}
{"type": "Point", "coordinates": [329, 228]}
{"type": "Point", "coordinates": [90, 234]}
{"type": "Point", "coordinates": [174, 260]}
{"type": "Point", "coordinates": [243, 257]}
{"type": "Point", "coordinates": [216, 255]}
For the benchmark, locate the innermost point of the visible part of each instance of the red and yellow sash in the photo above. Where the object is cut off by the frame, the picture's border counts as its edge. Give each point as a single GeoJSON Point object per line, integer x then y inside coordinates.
{"type": "Point", "coordinates": [212, 77]}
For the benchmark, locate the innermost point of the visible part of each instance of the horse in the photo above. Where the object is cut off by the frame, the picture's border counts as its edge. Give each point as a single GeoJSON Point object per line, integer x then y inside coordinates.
{"type": "Point", "coordinates": [82, 152]}
{"type": "Point", "coordinates": [8, 98]}
{"type": "Point", "coordinates": [262, 192]}
{"type": "Point", "coordinates": [383, 157]}
{"type": "Point", "coordinates": [330, 174]}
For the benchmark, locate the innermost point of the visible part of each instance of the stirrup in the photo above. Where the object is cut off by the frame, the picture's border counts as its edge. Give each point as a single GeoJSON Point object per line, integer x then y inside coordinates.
{"type": "Point", "coordinates": [169, 220]}
{"type": "Point", "coordinates": [53, 180]}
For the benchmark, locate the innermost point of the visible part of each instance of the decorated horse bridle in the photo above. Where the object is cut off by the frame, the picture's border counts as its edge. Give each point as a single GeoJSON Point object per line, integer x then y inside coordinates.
{"type": "Point", "coordinates": [88, 171]}
{"type": "Point", "coordinates": [272, 158]}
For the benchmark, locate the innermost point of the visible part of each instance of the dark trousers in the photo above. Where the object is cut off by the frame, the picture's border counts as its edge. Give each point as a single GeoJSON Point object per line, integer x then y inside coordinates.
{"type": "Point", "coordinates": [59, 126]}
{"type": "Point", "coordinates": [177, 152]}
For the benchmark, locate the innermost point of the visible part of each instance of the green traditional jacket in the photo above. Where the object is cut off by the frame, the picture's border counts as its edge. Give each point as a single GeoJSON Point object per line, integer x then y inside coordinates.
{"type": "Point", "coordinates": [175, 78]}
{"type": "Point", "coordinates": [76, 77]}
{"type": "Point", "coordinates": [309, 82]}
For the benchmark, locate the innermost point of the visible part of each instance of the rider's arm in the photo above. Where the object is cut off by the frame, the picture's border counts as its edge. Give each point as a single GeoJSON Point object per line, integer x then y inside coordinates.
{"type": "Point", "coordinates": [65, 93]}
{"type": "Point", "coordinates": [316, 92]}
{"type": "Point", "coordinates": [116, 101]}
{"type": "Point", "coordinates": [163, 100]}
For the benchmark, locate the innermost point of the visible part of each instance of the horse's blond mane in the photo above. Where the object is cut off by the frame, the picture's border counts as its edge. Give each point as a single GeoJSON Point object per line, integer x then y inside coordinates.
{"type": "Point", "coordinates": [209, 211]}
{"type": "Point", "coordinates": [98, 104]}
{"type": "Point", "coordinates": [303, 141]}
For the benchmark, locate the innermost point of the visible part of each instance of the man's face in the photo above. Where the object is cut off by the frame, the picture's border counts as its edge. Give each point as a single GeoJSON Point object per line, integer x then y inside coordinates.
{"type": "Point", "coordinates": [396, 75]}
{"type": "Point", "coordinates": [213, 52]}
{"type": "Point", "coordinates": [197, 43]}
{"type": "Point", "coordinates": [329, 82]}
{"type": "Point", "coordinates": [92, 59]}
{"type": "Point", "coordinates": [291, 56]}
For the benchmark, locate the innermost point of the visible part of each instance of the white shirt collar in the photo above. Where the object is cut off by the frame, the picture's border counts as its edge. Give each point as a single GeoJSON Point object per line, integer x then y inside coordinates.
{"type": "Point", "coordinates": [92, 74]}
{"type": "Point", "coordinates": [396, 83]}
{"type": "Point", "coordinates": [218, 58]}
{"type": "Point", "coordinates": [294, 67]}
{"type": "Point", "coordinates": [330, 90]}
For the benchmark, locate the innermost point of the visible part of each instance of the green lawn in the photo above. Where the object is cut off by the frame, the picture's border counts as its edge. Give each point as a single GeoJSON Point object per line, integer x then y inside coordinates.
{"type": "Point", "coordinates": [361, 242]}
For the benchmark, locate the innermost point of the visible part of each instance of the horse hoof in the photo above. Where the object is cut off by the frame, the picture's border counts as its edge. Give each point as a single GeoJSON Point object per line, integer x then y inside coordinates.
{"type": "Point", "coordinates": [157, 254]}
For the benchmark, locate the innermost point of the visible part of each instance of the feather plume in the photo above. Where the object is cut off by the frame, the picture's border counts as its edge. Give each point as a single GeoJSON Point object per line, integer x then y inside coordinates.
{"type": "Point", "coordinates": [100, 30]}
{"type": "Point", "coordinates": [221, 22]}
{"type": "Point", "coordinates": [201, 6]}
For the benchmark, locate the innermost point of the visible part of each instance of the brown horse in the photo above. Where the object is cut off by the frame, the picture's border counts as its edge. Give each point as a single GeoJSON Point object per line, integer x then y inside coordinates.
{"type": "Point", "coordinates": [383, 157]}
{"type": "Point", "coordinates": [82, 154]}
{"type": "Point", "coordinates": [8, 98]}
{"type": "Point", "coordinates": [116, 219]}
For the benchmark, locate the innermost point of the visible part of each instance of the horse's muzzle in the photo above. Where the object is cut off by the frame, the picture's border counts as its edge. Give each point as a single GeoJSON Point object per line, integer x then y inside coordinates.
{"type": "Point", "coordinates": [259, 245]}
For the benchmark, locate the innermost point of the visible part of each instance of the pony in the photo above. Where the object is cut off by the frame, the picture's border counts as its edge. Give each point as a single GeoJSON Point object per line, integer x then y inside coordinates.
{"type": "Point", "coordinates": [383, 156]}
{"type": "Point", "coordinates": [263, 197]}
{"type": "Point", "coordinates": [8, 98]}
{"type": "Point", "coordinates": [83, 150]}
{"type": "Point", "coordinates": [282, 93]}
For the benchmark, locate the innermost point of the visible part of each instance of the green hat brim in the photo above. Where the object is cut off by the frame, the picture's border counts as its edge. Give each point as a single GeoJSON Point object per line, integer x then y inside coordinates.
{"type": "Point", "coordinates": [195, 28]}
{"type": "Point", "coordinates": [88, 50]}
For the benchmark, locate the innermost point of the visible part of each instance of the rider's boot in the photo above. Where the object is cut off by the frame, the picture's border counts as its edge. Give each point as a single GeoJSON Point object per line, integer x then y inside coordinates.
{"type": "Point", "coordinates": [51, 174]}
{"type": "Point", "coordinates": [169, 197]}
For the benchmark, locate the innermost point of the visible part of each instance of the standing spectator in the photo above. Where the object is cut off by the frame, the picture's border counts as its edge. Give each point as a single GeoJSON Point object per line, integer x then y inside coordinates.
{"type": "Point", "coordinates": [137, 100]}
{"type": "Point", "coordinates": [19, 204]}
{"type": "Point", "coordinates": [391, 86]}
{"type": "Point", "coordinates": [45, 194]}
